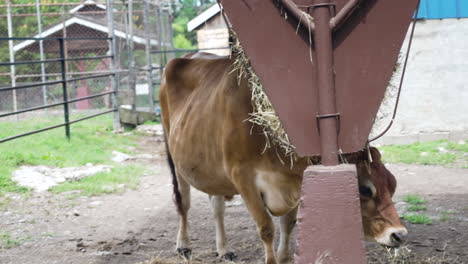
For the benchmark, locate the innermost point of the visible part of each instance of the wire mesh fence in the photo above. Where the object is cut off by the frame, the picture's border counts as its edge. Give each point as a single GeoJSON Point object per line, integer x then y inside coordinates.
{"type": "Point", "coordinates": [109, 54]}
{"type": "Point", "coordinates": [78, 24]}
{"type": "Point", "coordinates": [33, 64]}
{"type": "Point", "coordinates": [55, 60]}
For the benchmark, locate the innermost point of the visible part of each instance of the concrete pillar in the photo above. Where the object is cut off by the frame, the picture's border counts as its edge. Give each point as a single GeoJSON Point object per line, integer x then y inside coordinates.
{"type": "Point", "coordinates": [330, 226]}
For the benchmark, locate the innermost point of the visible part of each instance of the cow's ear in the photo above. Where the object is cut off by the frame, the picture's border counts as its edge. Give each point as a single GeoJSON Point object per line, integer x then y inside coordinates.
{"type": "Point", "coordinates": [376, 156]}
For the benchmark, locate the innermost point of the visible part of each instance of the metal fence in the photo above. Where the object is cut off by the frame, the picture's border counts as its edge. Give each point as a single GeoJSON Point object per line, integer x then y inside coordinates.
{"type": "Point", "coordinates": [64, 82]}
{"type": "Point", "coordinates": [80, 60]}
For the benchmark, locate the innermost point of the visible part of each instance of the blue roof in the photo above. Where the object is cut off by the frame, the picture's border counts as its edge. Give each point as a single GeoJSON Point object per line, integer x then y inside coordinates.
{"type": "Point", "coordinates": [439, 9]}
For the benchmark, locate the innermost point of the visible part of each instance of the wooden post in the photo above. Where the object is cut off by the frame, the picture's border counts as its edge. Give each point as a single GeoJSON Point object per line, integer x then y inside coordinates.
{"type": "Point", "coordinates": [115, 79]}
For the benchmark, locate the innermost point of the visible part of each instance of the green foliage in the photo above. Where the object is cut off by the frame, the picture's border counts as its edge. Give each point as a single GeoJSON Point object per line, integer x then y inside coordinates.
{"type": "Point", "coordinates": [445, 215]}
{"type": "Point", "coordinates": [418, 219]}
{"type": "Point", "coordinates": [103, 183]}
{"type": "Point", "coordinates": [427, 153]}
{"type": "Point", "coordinates": [149, 122]}
{"type": "Point", "coordinates": [7, 241]}
{"type": "Point", "coordinates": [92, 141]}
{"type": "Point", "coordinates": [414, 200]}
{"type": "Point", "coordinates": [417, 207]}
{"type": "Point", "coordinates": [181, 42]}
{"type": "Point", "coordinates": [416, 203]}
{"type": "Point", "coordinates": [189, 10]}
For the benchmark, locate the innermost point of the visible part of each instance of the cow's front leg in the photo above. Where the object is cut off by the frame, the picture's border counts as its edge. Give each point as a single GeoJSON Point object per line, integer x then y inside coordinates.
{"type": "Point", "coordinates": [287, 224]}
{"type": "Point", "coordinates": [217, 202]}
{"type": "Point", "coordinates": [183, 240]}
{"type": "Point", "coordinates": [255, 205]}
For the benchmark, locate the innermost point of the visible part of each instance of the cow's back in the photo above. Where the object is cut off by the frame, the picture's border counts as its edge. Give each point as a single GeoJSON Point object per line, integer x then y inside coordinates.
{"type": "Point", "coordinates": [204, 112]}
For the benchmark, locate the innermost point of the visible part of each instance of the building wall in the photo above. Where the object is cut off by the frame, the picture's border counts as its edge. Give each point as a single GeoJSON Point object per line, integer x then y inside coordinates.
{"type": "Point", "coordinates": [434, 99]}
{"type": "Point", "coordinates": [214, 34]}
{"type": "Point", "coordinates": [216, 22]}
{"type": "Point", "coordinates": [440, 9]}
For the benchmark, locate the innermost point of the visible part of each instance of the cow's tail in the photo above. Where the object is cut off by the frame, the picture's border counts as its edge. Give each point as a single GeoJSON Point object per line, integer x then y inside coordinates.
{"type": "Point", "coordinates": [175, 184]}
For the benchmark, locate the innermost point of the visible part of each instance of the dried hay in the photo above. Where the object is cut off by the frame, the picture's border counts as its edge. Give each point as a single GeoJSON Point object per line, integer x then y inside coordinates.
{"type": "Point", "coordinates": [263, 114]}
{"type": "Point", "coordinates": [175, 260]}
{"type": "Point", "coordinates": [404, 255]}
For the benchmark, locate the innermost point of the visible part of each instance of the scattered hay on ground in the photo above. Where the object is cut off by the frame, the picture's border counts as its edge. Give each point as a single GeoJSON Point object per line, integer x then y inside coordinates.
{"type": "Point", "coordinates": [160, 260]}
{"type": "Point", "coordinates": [404, 255]}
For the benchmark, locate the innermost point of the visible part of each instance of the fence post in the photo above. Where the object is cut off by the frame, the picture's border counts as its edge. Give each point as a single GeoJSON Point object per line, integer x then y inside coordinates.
{"type": "Point", "coordinates": [12, 56]}
{"type": "Point", "coordinates": [160, 39]}
{"type": "Point", "coordinates": [41, 51]}
{"type": "Point", "coordinates": [131, 57]}
{"type": "Point", "coordinates": [148, 54]}
{"type": "Point", "coordinates": [63, 70]}
{"type": "Point", "coordinates": [112, 67]}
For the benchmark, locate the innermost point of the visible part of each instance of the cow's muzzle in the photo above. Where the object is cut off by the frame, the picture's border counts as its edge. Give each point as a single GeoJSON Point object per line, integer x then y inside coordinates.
{"type": "Point", "coordinates": [393, 237]}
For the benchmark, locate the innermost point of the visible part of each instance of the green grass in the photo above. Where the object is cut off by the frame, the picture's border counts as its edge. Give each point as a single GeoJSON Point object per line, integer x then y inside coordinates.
{"type": "Point", "coordinates": [414, 199]}
{"type": "Point", "coordinates": [149, 122]}
{"type": "Point", "coordinates": [418, 219]}
{"type": "Point", "coordinates": [103, 183]}
{"type": "Point", "coordinates": [416, 203]}
{"type": "Point", "coordinates": [417, 207]}
{"type": "Point", "coordinates": [412, 153]}
{"type": "Point", "coordinates": [4, 202]}
{"type": "Point", "coordinates": [92, 141]}
{"type": "Point", "coordinates": [7, 241]}
{"type": "Point", "coordinates": [445, 215]}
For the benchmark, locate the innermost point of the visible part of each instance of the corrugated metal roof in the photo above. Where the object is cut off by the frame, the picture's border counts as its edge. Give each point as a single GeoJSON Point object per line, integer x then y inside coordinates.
{"type": "Point", "coordinates": [440, 9]}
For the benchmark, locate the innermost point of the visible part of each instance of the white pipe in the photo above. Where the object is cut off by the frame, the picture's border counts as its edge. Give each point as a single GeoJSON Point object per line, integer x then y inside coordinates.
{"type": "Point", "coordinates": [12, 56]}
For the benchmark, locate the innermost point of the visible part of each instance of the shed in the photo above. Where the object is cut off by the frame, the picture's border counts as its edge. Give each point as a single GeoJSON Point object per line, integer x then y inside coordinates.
{"type": "Point", "coordinates": [212, 31]}
{"type": "Point", "coordinates": [80, 24]}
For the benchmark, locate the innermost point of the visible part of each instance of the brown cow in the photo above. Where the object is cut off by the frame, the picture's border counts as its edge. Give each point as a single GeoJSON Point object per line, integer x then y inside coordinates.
{"type": "Point", "coordinates": [213, 148]}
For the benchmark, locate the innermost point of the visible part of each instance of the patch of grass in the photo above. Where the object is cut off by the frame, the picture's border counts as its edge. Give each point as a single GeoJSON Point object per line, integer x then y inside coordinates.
{"type": "Point", "coordinates": [417, 207]}
{"type": "Point", "coordinates": [92, 141]}
{"type": "Point", "coordinates": [418, 219]}
{"type": "Point", "coordinates": [7, 241]}
{"type": "Point", "coordinates": [444, 218]}
{"type": "Point", "coordinates": [445, 215]}
{"type": "Point", "coordinates": [4, 202]}
{"type": "Point", "coordinates": [414, 199]}
{"type": "Point", "coordinates": [103, 183]}
{"type": "Point", "coordinates": [149, 122]}
{"type": "Point", "coordinates": [426, 153]}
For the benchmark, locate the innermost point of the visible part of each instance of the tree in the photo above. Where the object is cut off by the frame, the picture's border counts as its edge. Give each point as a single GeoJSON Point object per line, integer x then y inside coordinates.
{"type": "Point", "coordinates": [188, 10]}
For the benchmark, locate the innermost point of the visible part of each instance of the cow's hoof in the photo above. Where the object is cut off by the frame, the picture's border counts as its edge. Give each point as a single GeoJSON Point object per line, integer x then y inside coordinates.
{"type": "Point", "coordinates": [286, 259]}
{"type": "Point", "coordinates": [185, 252]}
{"type": "Point", "coordinates": [229, 256]}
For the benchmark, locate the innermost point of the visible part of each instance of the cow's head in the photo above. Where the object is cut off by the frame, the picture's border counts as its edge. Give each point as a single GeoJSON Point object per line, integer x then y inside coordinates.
{"type": "Point", "coordinates": [376, 187]}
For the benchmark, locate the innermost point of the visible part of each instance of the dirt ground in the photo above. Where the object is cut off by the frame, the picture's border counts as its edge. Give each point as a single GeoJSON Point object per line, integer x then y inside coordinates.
{"type": "Point", "coordinates": [139, 225]}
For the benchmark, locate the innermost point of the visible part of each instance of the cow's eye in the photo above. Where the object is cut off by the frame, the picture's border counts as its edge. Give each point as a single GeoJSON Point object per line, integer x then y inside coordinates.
{"type": "Point", "coordinates": [365, 191]}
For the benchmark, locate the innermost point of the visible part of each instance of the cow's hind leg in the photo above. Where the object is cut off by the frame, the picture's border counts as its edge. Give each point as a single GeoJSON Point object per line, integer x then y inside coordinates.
{"type": "Point", "coordinates": [217, 202]}
{"type": "Point", "coordinates": [256, 207]}
{"type": "Point", "coordinates": [183, 240]}
{"type": "Point", "coordinates": [287, 224]}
